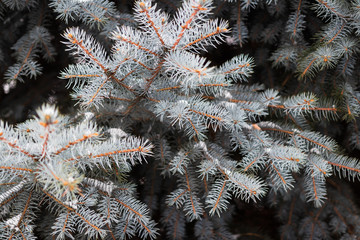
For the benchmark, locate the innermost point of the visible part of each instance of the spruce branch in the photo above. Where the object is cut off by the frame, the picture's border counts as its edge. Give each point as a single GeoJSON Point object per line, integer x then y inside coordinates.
{"type": "Point", "coordinates": [41, 166]}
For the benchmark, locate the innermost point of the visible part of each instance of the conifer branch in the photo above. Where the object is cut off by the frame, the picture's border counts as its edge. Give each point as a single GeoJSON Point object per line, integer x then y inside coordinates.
{"type": "Point", "coordinates": [184, 27]}
{"type": "Point", "coordinates": [215, 136]}
{"type": "Point", "coordinates": [18, 148]}
{"type": "Point", "coordinates": [135, 44]}
{"type": "Point", "coordinates": [77, 141]}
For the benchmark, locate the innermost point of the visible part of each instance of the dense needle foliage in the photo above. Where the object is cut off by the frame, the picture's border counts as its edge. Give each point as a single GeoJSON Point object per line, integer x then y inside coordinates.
{"type": "Point", "coordinates": [193, 119]}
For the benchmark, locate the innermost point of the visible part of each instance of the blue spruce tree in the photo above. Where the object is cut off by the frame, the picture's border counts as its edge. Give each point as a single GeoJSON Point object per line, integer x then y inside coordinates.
{"type": "Point", "coordinates": [205, 140]}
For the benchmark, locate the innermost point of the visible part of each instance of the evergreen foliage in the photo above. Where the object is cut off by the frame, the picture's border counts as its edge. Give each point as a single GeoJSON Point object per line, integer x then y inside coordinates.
{"type": "Point", "coordinates": [208, 138]}
{"type": "Point", "coordinates": [47, 161]}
